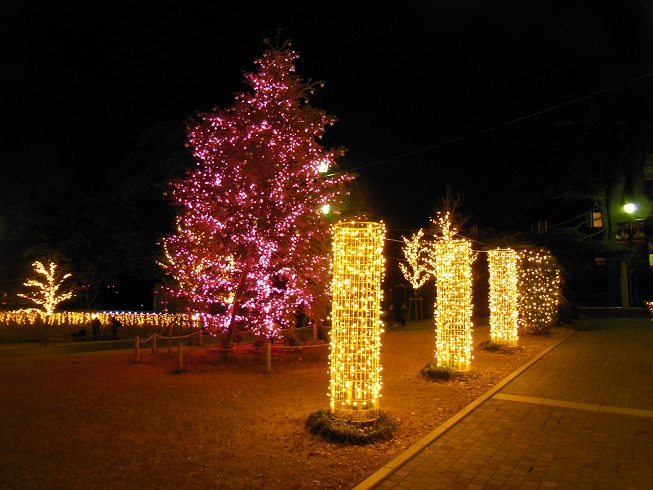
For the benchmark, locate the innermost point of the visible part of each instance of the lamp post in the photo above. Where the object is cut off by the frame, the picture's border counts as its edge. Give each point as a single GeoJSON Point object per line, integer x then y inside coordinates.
{"type": "Point", "coordinates": [629, 208]}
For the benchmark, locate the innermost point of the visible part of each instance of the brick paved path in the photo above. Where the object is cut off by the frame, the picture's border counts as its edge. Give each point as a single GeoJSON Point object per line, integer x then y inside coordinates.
{"type": "Point", "coordinates": [579, 417]}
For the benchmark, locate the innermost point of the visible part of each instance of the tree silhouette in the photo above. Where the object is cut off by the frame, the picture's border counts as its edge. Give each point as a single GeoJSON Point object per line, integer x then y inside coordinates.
{"type": "Point", "coordinates": [252, 244]}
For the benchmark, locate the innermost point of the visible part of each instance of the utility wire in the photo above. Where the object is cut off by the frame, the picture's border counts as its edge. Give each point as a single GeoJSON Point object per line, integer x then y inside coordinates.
{"type": "Point", "coordinates": [498, 126]}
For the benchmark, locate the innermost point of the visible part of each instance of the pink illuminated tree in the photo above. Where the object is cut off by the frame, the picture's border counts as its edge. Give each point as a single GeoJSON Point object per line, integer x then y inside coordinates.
{"type": "Point", "coordinates": [252, 241]}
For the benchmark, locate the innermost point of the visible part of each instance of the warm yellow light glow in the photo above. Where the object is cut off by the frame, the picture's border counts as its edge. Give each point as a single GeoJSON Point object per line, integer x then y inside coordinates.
{"type": "Point", "coordinates": [539, 290]}
{"type": "Point", "coordinates": [355, 367]}
{"type": "Point", "coordinates": [630, 208]}
{"type": "Point", "coordinates": [326, 209]}
{"type": "Point", "coordinates": [650, 306]}
{"type": "Point", "coordinates": [503, 296]}
{"type": "Point", "coordinates": [81, 319]}
{"type": "Point", "coordinates": [453, 305]}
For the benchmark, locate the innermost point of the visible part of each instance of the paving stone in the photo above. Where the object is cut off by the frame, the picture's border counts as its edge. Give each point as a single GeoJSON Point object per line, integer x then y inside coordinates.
{"type": "Point", "coordinates": [580, 416]}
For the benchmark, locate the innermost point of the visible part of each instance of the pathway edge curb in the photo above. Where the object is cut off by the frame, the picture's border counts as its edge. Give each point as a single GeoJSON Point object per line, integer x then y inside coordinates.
{"type": "Point", "coordinates": [386, 470]}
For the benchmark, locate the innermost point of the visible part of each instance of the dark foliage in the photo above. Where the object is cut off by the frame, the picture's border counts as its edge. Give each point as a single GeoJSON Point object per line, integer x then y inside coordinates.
{"type": "Point", "coordinates": [323, 424]}
{"type": "Point", "coordinates": [433, 372]}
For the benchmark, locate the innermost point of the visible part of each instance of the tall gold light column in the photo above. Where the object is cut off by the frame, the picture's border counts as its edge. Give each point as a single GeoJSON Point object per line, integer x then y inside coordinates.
{"type": "Point", "coordinates": [503, 296]}
{"type": "Point", "coordinates": [355, 367]}
{"type": "Point", "coordinates": [453, 305]}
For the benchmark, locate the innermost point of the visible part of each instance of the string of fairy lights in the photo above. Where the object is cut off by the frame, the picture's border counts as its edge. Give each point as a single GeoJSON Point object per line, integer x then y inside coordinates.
{"type": "Point", "coordinates": [33, 316]}
{"type": "Point", "coordinates": [250, 232]}
{"type": "Point", "coordinates": [524, 290]}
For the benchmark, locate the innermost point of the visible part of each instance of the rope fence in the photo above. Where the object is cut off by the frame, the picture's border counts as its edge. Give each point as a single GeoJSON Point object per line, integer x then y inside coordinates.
{"type": "Point", "coordinates": [180, 346]}
{"type": "Point", "coordinates": [170, 337]}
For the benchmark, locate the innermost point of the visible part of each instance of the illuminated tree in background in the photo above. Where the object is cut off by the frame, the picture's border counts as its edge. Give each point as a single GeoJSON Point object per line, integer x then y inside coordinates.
{"type": "Point", "coordinates": [47, 293]}
{"type": "Point", "coordinates": [538, 290]}
{"type": "Point", "coordinates": [417, 270]}
{"type": "Point", "coordinates": [251, 240]}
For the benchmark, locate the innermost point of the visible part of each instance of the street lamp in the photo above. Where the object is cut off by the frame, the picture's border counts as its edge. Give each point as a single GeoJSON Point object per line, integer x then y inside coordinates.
{"type": "Point", "coordinates": [630, 208]}
{"type": "Point", "coordinates": [626, 287]}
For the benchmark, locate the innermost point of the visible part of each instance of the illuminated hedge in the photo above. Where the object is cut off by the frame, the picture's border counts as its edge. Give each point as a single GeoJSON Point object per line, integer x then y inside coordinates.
{"type": "Point", "coordinates": [539, 290]}
{"type": "Point", "coordinates": [356, 325]}
{"type": "Point", "coordinates": [503, 267]}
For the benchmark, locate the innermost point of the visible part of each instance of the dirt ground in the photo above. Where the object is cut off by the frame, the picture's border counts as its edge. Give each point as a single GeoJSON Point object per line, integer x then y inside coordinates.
{"type": "Point", "coordinates": [79, 420]}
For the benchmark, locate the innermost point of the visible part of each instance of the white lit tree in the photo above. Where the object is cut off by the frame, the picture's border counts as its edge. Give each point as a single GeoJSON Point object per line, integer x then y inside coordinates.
{"type": "Point", "coordinates": [416, 268]}
{"type": "Point", "coordinates": [47, 292]}
{"type": "Point", "coordinates": [252, 242]}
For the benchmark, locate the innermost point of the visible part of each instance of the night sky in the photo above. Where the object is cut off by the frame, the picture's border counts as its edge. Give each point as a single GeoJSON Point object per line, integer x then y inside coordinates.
{"type": "Point", "coordinates": [428, 95]}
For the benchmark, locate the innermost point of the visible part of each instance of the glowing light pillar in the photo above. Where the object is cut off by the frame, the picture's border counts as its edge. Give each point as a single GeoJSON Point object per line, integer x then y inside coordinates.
{"type": "Point", "coordinates": [503, 296]}
{"type": "Point", "coordinates": [356, 325]}
{"type": "Point", "coordinates": [453, 305]}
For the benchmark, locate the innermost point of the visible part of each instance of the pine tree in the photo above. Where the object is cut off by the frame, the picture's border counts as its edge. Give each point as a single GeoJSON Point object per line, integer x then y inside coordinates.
{"type": "Point", "coordinates": [251, 237]}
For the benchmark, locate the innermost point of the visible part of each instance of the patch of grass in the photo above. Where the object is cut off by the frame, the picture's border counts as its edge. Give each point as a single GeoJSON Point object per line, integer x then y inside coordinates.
{"type": "Point", "coordinates": [433, 372]}
{"type": "Point", "coordinates": [583, 325]}
{"type": "Point", "coordinates": [334, 430]}
{"type": "Point", "coordinates": [490, 346]}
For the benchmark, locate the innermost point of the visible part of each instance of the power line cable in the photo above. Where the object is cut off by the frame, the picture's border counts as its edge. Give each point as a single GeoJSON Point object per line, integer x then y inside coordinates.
{"type": "Point", "coordinates": [499, 126]}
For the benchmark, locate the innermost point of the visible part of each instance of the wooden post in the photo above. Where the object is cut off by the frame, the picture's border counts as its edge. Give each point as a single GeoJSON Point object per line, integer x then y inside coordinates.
{"type": "Point", "coordinates": [199, 337]}
{"type": "Point", "coordinates": [625, 285]}
{"type": "Point", "coordinates": [154, 343]}
{"type": "Point", "coordinates": [415, 309]}
{"type": "Point", "coordinates": [268, 357]}
{"type": "Point", "coordinates": [419, 310]}
{"type": "Point", "coordinates": [137, 346]}
{"type": "Point", "coordinates": [170, 338]}
{"type": "Point", "coordinates": [180, 356]}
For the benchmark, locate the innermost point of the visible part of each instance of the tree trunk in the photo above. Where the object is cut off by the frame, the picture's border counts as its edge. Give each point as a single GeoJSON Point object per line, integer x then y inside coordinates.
{"type": "Point", "coordinates": [240, 290]}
